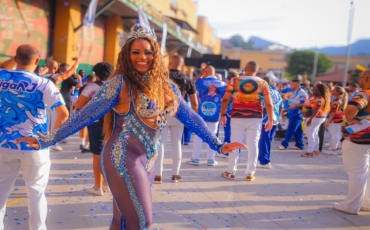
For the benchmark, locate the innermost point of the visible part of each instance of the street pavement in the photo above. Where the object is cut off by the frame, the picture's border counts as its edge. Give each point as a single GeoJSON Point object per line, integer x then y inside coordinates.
{"type": "Point", "coordinates": [297, 193]}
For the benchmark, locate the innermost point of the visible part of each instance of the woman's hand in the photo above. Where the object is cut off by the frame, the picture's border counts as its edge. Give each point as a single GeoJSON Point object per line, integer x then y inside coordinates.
{"type": "Point", "coordinates": [327, 124]}
{"type": "Point", "coordinates": [31, 141]}
{"type": "Point", "coordinates": [231, 147]}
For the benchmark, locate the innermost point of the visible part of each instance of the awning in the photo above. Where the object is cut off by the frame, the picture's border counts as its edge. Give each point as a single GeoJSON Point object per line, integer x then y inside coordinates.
{"type": "Point", "coordinates": [183, 24]}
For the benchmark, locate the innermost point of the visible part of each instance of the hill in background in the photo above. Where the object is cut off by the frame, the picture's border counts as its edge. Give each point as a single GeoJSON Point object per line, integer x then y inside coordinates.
{"type": "Point", "coordinates": [358, 48]}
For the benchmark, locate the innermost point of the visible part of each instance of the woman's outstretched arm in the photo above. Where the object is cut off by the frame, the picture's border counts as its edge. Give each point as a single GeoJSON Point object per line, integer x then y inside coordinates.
{"type": "Point", "coordinates": [98, 106]}
{"type": "Point", "coordinates": [194, 122]}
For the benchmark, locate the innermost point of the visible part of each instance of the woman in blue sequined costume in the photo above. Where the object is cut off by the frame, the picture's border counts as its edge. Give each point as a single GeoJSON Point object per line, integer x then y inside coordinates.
{"type": "Point", "coordinates": [137, 100]}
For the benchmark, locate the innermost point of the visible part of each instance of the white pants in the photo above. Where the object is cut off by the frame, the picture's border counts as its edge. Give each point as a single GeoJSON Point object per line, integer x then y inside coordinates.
{"type": "Point", "coordinates": [35, 169]}
{"type": "Point", "coordinates": [356, 164]}
{"type": "Point", "coordinates": [197, 144]}
{"type": "Point", "coordinates": [312, 134]}
{"type": "Point", "coordinates": [251, 127]}
{"type": "Point", "coordinates": [175, 128]}
{"type": "Point", "coordinates": [335, 130]}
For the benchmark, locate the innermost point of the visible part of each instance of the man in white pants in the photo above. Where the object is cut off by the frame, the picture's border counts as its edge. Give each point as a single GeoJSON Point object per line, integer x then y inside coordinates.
{"type": "Point", "coordinates": [356, 152]}
{"type": "Point", "coordinates": [174, 126]}
{"type": "Point", "coordinates": [248, 92]}
{"type": "Point", "coordinates": [210, 91]}
{"type": "Point", "coordinates": [24, 98]}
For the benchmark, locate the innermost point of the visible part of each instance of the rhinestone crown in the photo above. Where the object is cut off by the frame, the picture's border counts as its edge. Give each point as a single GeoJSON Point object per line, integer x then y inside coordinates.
{"type": "Point", "coordinates": [138, 31]}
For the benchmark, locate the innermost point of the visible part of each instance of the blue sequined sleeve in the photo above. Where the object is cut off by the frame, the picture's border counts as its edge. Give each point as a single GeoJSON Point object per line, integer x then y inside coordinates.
{"type": "Point", "coordinates": [195, 123]}
{"type": "Point", "coordinates": [99, 105]}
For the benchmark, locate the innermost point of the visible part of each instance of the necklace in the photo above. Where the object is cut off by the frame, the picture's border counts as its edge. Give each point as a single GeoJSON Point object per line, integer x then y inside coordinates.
{"type": "Point", "coordinates": [146, 76]}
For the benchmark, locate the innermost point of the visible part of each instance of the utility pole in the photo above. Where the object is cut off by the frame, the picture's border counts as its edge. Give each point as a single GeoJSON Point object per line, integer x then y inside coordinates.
{"type": "Point", "coordinates": [349, 36]}
{"type": "Point", "coordinates": [314, 70]}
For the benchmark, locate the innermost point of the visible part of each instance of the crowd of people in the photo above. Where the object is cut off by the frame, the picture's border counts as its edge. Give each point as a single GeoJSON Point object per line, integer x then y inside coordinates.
{"type": "Point", "coordinates": [129, 109]}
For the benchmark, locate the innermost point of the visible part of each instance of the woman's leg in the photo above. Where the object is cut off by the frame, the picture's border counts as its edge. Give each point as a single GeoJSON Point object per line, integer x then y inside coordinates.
{"type": "Point", "coordinates": [310, 137]}
{"type": "Point", "coordinates": [319, 127]}
{"type": "Point", "coordinates": [176, 133]}
{"type": "Point", "coordinates": [335, 134]}
{"type": "Point", "coordinates": [98, 177]}
{"type": "Point", "coordinates": [133, 197]}
{"type": "Point", "coordinates": [159, 160]}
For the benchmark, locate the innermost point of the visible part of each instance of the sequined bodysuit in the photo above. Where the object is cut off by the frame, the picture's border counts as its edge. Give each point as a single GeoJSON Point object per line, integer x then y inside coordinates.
{"type": "Point", "coordinates": [130, 152]}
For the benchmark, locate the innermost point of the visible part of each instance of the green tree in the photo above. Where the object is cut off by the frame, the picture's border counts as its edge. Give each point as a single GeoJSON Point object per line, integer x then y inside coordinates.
{"type": "Point", "coordinates": [301, 61]}
{"type": "Point", "coordinates": [354, 75]}
{"type": "Point", "coordinates": [249, 45]}
{"type": "Point", "coordinates": [237, 41]}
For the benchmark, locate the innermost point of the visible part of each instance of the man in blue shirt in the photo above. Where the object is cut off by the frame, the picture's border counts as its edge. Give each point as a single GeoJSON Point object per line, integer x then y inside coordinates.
{"type": "Point", "coordinates": [210, 91]}
{"type": "Point", "coordinates": [295, 116]}
{"type": "Point", "coordinates": [24, 98]}
{"type": "Point", "coordinates": [264, 144]}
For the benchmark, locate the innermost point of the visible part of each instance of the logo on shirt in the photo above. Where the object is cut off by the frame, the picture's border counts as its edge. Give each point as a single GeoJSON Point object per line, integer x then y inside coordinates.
{"type": "Point", "coordinates": [19, 86]}
{"type": "Point", "coordinates": [248, 86]}
{"type": "Point", "coordinates": [209, 108]}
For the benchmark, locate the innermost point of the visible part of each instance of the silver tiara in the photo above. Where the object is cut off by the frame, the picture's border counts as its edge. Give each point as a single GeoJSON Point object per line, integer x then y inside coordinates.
{"type": "Point", "coordinates": [137, 31]}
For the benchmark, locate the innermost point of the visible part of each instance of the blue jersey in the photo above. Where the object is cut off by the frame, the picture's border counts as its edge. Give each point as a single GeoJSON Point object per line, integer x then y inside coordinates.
{"type": "Point", "coordinates": [277, 102]}
{"type": "Point", "coordinates": [297, 98]}
{"type": "Point", "coordinates": [24, 97]}
{"type": "Point", "coordinates": [287, 93]}
{"type": "Point", "coordinates": [210, 91]}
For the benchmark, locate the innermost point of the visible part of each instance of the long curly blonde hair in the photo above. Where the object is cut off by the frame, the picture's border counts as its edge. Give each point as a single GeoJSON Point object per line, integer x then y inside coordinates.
{"type": "Point", "coordinates": [342, 92]}
{"type": "Point", "coordinates": [157, 87]}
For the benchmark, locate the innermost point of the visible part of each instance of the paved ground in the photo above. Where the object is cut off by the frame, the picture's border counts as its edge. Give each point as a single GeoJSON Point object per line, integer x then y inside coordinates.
{"type": "Point", "coordinates": [296, 194]}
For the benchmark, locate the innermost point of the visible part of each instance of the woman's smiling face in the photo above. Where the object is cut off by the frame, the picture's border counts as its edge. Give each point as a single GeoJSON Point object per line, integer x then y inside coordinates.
{"type": "Point", "coordinates": [141, 55]}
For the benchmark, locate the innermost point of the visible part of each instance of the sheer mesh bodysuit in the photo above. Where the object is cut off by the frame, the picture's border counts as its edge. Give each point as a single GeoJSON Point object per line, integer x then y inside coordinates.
{"type": "Point", "coordinates": [130, 152]}
{"type": "Point", "coordinates": [124, 165]}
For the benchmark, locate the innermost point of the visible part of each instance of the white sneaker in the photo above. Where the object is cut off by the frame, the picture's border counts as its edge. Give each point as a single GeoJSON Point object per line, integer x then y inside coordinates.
{"type": "Point", "coordinates": [266, 166]}
{"type": "Point", "coordinates": [281, 147]}
{"type": "Point", "coordinates": [56, 147]}
{"type": "Point", "coordinates": [340, 206]}
{"type": "Point", "coordinates": [95, 191]}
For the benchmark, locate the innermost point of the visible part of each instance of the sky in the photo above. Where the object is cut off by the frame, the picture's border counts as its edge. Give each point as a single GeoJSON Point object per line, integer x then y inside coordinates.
{"type": "Point", "coordinates": [294, 23]}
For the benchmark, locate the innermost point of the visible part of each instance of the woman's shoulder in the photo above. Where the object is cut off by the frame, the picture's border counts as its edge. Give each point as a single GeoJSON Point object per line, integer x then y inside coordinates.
{"type": "Point", "coordinates": [111, 87]}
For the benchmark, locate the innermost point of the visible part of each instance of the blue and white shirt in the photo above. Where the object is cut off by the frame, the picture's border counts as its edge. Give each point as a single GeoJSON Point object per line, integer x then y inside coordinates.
{"type": "Point", "coordinates": [287, 93]}
{"type": "Point", "coordinates": [24, 97]}
{"type": "Point", "coordinates": [297, 98]}
{"type": "Point", "coordinates": [210, 91]}
{"type": "Point", "coordinates": [277, 102]}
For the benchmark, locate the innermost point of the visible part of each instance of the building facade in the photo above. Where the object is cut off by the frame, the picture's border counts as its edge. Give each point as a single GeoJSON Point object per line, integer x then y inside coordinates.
{"type": "Point", "coordinates": [54, 26]}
